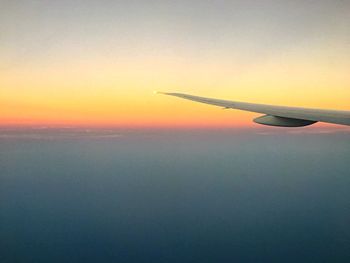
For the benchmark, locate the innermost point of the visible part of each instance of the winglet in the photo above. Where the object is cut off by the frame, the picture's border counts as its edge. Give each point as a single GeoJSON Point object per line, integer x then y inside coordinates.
{"type": "Point", "coordinates": [167, 93]}
{"type": "Point", "coordinates": [160, 92]}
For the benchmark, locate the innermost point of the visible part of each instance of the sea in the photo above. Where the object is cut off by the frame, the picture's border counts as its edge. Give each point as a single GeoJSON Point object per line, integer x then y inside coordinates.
{"type": "Point", "coordinates": [174, 195]}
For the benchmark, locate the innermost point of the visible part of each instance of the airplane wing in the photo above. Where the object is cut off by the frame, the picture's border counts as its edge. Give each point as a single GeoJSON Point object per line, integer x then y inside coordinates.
{"type": "Point", "coordinates": [276, 115]}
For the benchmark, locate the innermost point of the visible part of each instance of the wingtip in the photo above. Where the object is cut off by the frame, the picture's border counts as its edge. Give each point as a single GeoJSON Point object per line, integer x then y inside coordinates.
{"type": "Point", "coordinates": [160, 92]}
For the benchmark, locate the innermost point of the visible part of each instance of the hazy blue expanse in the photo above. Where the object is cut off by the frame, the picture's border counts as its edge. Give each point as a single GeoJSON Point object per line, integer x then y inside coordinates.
{"type": "Point", "coordinates": [269, 195]}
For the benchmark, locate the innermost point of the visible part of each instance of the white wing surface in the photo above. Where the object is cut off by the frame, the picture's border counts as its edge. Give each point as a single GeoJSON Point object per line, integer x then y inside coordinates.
{"type": "Point", "coordinates": [277, 115]}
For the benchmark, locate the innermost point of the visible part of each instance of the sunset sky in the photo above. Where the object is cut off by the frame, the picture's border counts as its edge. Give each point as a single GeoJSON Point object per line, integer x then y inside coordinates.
{"type": "Point", "coordinates": [98, 62]}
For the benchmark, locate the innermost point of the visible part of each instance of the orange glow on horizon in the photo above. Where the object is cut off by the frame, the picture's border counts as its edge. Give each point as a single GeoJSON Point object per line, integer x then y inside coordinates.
{"type": "Point", "coordinates": [121, 94]}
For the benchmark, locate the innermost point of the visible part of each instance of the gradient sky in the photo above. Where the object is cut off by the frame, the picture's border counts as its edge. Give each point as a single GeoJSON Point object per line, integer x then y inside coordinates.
{"type": "Point", "coordinates": [97, 62]}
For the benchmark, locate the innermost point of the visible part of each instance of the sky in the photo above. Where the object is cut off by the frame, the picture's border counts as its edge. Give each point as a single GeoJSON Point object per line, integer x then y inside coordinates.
{"type": "Point", "coordinates": [97, 63]}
